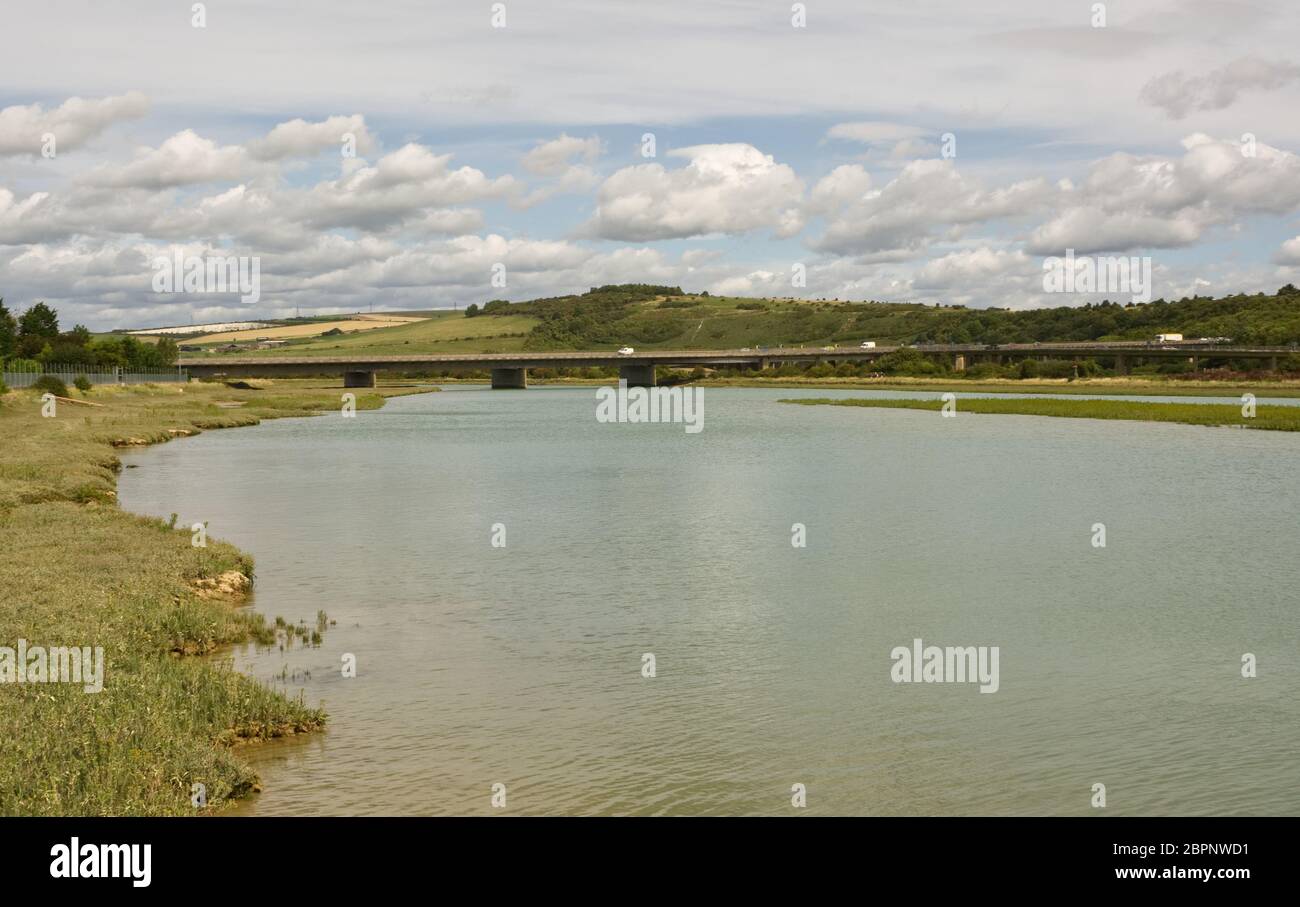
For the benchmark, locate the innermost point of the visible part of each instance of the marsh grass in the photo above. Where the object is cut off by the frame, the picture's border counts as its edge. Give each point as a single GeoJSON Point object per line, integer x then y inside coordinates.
{"type": "Point", "coordinates": [1271, 418]}
{"type": "Point", "coordinates": [76, 570]}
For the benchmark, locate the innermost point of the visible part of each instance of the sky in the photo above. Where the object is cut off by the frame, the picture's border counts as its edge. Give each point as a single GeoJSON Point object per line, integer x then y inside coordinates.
{"type": "Point", "coordinates": [417, 155]}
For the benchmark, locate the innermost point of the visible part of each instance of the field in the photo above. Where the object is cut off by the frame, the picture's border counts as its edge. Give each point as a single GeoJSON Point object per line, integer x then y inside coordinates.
{"type": "Point", "coordinates": [75, 570]}
{"type": "Point", "coordinates": [1273, 418]}
{"type": "Point", "coordinates": [311, 329]}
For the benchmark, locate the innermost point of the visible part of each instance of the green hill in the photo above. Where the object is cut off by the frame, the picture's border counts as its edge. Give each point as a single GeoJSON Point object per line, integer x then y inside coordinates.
{"type": "Point", "coordinates": [658, 317]}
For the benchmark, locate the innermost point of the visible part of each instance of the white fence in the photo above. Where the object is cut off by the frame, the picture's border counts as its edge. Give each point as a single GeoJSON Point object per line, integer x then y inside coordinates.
{"type": "Point", "coordinates": [25, 376]}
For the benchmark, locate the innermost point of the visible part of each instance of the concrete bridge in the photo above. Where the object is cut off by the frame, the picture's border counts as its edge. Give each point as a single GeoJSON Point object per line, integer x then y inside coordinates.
{"type": "Point", "coordinates": [510, 370]}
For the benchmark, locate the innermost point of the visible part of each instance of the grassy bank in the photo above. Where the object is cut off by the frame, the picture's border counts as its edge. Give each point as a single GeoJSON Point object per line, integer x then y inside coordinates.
{"type": "Point", "coordinates": [76, 570]}
{"type": "Point", "coordinates": [1274, 418]}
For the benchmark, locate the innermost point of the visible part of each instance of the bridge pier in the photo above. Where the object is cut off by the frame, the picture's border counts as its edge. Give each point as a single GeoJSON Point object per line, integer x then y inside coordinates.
{"type": "Point", "coordinates": [1272, 363]}
{"type": "Point", "coordinates": [637, 375]}
{"type": "Point", "coordinates": [358, 379]}
{"type": "Point", "coordinates": [959, 363]}
{"type": "Point", "coordinates": [509, 378]}
{"type": "Point", "coordinates": [1121, 364]}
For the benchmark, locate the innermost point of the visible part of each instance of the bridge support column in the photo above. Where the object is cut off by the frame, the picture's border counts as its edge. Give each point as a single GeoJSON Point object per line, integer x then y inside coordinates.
{"type": "Point", "coordinates": [358, 379]}
{"type": "Point", "coordinates": [762, 364]}
{"type": "Point", "coordinates": [1121, 364]}
{"type": "Point", "coordinates": [959, 363]}
{"type": "Point", "coordinates": [510, 378]}
{"type": "Point", "coordinates": [637, 375]}
{"type": "Point", "coordinates": [1272, 363]}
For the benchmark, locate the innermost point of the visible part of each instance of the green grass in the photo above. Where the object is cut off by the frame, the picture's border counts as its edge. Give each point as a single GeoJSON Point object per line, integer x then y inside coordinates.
{"type": "Point", "coordinates": [1273, 418]}
{"type": "Point", "coordinates": [76, 570]}
{"type": "Point", "coordinates": [1160, 387]}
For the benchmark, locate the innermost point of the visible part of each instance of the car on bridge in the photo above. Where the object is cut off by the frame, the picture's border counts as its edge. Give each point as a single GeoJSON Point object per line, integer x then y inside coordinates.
{"type": "Point", "coordinates": [625, 351]}
{"type": "Point", "coordinates": [867, 345]}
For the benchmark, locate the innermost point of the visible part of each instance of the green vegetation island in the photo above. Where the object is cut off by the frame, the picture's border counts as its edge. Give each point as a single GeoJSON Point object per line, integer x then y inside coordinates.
{"type": "Point", "coordinates": [1268, 418]}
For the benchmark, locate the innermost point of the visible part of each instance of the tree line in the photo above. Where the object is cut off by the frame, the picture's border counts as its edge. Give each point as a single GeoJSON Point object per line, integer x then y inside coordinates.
{"type": "Point", "coordinates": [33, 339]}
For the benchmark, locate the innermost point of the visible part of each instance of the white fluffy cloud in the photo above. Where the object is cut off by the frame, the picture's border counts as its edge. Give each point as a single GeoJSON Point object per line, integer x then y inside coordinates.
{"type": "Point", "coordinates": [722, 189]}
{"type": "Point", "coordinates": [1289, 253]}
{"type": "Point", "coordinates": [1130, 201]}
{"type": "Point", "coordinates": [72, 123]}
{"type": "Point", "coordinates": [299, 138]}
{"type": "Point", "coordinates": [566, 163]}
{"type": "Point", "coordinates": [397, 188]}
{"type": "Point", "coordinates": [973, 267]}
{"type": "Point", "coordinates": [902, 217]}
{"type": "Point", "coordinates": [183, 159]}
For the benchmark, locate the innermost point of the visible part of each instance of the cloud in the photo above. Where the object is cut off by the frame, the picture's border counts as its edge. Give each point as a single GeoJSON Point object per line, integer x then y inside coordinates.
{"type": "Point", "coordinates": [299, 138]}
{"type": "Point", "coordinates": [554, 161]}
{"type": "Point", "coordinates": [902, 217]}
{"type": "Point", "coordinates": [72, 123]}
{"type": "Point", "coordinates": [1178, 94]}
{"type": "Point", "coordinates": [973, 267]}
{"type": "Point", "coordinates": [723, 189]}
{"type": "Point", "coordinates": [1130, 201]}
{"type": "Point", "coordinates": [183, 159]}
{"type": "Point", "coordinates": [553, 158]}
{"type": "Point", "coordinates": [1289, 253]}
{"type": "Point", "coordinates": [395, 190]}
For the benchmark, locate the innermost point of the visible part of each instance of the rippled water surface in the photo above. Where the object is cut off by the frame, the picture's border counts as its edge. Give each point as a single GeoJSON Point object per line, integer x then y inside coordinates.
{"type": "Point", "coordinates": [522, 664]}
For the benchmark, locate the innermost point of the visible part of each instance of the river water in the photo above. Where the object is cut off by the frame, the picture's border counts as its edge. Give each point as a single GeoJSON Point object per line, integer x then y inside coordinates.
{"type": "Point", "coordinates": [522, 665]}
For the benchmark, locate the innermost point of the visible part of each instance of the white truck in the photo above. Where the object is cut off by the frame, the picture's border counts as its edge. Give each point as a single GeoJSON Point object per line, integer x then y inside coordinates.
{"type": "Point", "coordinates": [1168, 338]}
{"type": "Point", "coordinates": [867, 345]}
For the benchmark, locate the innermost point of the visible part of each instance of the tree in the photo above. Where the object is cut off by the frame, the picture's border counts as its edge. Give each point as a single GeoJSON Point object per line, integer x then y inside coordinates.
{"type": "Point", "coordinates": [39, 321]}
{"type": "Point", "coordinates": [471, 310]}
{"type": "Point", "coordinates": [166, 351]}
{"type": "Point", "coordinates": [8, 332]}
{"type": "Point", "coordinates": [80, 335]}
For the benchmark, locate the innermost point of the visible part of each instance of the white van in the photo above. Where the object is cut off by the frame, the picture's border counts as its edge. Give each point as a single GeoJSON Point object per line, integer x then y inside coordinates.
{"type": "Point", "coordinates": [867, 345]}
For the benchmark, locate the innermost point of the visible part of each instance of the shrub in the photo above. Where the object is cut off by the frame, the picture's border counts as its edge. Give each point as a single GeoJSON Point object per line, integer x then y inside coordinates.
{"type": "Point", "coordinates": [50, 384]}
{"type": "Point", "coordinates": [82, 384]}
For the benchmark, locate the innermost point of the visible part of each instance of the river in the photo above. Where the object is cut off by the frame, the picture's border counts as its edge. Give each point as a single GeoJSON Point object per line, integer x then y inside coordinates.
{"type": "Point", "coordinates": [522, 664]}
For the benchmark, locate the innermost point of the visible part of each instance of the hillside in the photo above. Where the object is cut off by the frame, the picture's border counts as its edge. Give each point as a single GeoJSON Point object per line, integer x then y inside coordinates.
{"type": "Point", "coordinates": [654, 317]}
